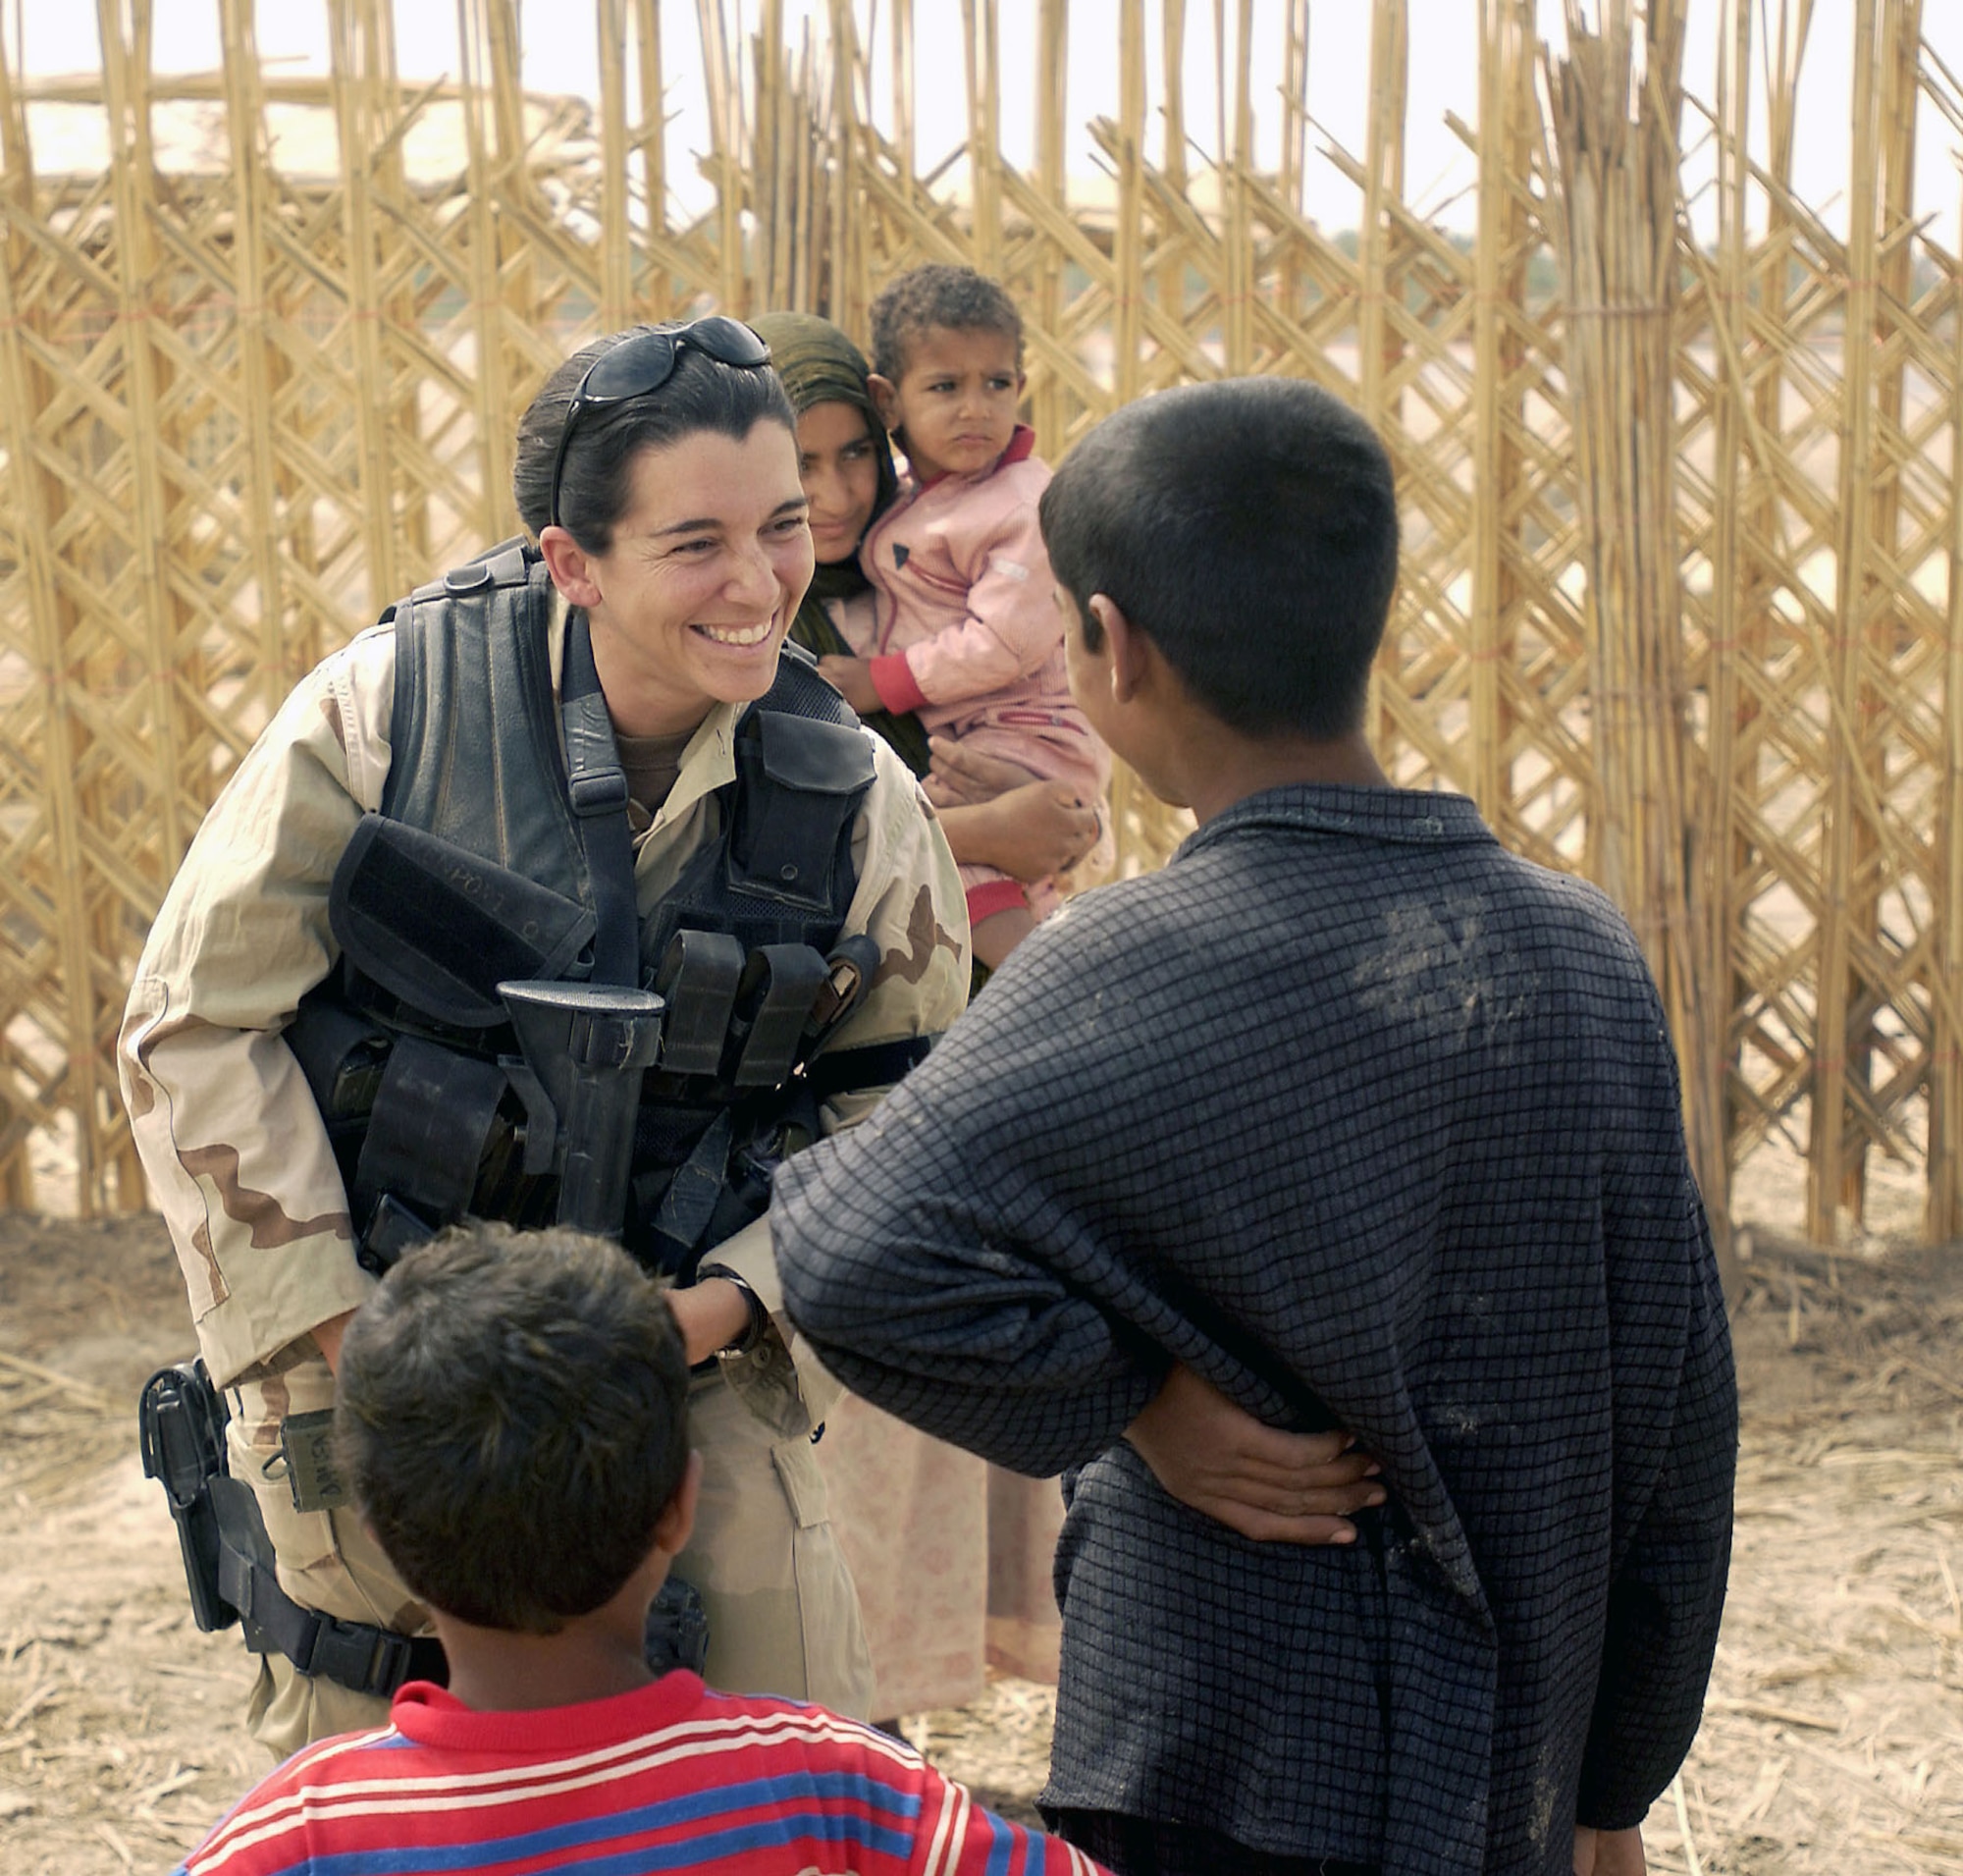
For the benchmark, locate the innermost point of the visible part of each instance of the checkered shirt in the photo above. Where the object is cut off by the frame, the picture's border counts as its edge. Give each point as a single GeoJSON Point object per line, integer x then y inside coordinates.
{"type": "Point", "coordinates": [1374, 1125]}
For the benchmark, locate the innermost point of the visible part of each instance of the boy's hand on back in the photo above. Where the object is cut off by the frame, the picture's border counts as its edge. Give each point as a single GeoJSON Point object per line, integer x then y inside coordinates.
{"type": "Point", "coordinates": [1276, 1487]}
{"type": "Point", "coordinates": [1609, 1853]}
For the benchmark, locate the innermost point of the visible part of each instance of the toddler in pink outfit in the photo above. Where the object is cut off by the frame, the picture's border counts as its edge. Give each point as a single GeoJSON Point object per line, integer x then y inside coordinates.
{"type": "Point", "coordinates": [968, 634]}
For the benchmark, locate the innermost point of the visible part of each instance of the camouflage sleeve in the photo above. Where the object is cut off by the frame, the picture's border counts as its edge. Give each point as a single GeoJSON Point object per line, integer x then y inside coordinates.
{"type": "Point", "coordinates": [236, 1157]}
{"type": "Point", "coordinates": [910, 902]}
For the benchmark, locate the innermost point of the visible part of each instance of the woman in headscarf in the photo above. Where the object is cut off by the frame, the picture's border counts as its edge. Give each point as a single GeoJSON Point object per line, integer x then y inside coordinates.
{"type": "Point", "coordinates": [951, 1557]}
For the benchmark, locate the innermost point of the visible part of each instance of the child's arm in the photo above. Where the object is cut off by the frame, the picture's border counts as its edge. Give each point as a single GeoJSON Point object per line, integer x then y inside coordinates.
{"type": "Point", "coordinates": [1011, 628]}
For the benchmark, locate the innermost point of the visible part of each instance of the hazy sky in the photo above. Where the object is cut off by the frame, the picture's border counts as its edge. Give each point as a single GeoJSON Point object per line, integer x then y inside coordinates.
{"type": "Point", "coordinates": [561, 55]}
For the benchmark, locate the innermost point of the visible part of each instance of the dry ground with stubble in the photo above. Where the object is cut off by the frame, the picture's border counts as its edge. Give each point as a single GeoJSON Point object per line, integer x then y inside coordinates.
{"type": "Point", "coordinates": [1834, 1740]}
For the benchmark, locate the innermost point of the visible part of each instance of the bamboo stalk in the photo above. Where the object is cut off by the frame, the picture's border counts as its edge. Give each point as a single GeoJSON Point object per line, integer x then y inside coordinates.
{"type": "Point", "coordinates": [251, 213]}
{"type": "Point", "coordinates": [1052, 94]}
{"type": "Point", "coordinates": [354, 93]}
{"type": "Point", "coordinates": [1174, 248]}
{"type": "Point", "coordinates": [126, 75]}
{"type": "Point", "coordinates": [978, 44]}
{"type": "Point", "coordinates": [1238, 231]}
{"type": "Point", "coordinates": [657, 299]}
{"type": "Point", "coordinates": [903, 84]}
{"type": "Point", "coordinates": [726, 134]}
{"type": "Point", "coordinates": [1487, 778]}
{"type": "Point", "coordinates": [1943, 1206]}
{"type": "Point", "coordinates": [486, 287]}
{"type": "Point", "coordinates": [1615, 182]}
{"type": "Point", "coordinates": [1378, 346]}
{"type": "Point", "coordinates": [851, 294]}
{"type": "Point", "coordinates": [1732, 576]}
{"type": "Point", "coordinates": [1128, 242]}
{"type": "Point", "coordinates": [1900, 63]}
{"type": "Point", "coordinates": [1840, 1030]}
{"type": "Point", "coordinates": [616, 273]}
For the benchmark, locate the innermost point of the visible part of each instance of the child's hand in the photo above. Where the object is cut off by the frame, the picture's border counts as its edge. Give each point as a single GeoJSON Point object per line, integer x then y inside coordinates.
{"type": "Point", "coordinates": [1276, 1487]}
{"type": "Point", "coordinates": [852, 678]}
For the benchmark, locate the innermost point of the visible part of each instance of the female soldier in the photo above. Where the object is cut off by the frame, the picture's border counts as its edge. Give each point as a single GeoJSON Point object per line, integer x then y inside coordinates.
{"type": "Point", "coordinates": [496, 714]}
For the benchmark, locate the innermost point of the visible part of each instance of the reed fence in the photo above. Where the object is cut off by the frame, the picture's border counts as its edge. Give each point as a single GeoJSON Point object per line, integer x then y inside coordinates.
{"type": "Point", "coordinates": [1679, 606]}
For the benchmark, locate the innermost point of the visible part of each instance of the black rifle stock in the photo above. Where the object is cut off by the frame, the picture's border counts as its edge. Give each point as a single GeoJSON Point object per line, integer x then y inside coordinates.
{"type": "Point", "coordinates": [584, 1049]}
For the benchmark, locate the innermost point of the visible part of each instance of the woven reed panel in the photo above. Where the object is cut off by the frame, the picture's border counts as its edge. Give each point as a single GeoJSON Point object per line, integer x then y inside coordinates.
{"type": "Point", "coordinates": [250, 394]}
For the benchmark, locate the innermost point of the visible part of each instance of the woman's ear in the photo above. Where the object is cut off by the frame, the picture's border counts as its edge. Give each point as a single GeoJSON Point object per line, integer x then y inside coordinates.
{"type": "Point", "coordinates": [571, 568]}
{"type": "Point", "coordinates": [886, 400]}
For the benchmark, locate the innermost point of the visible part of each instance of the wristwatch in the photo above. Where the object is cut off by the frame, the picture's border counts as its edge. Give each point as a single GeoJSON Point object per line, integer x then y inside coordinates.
{"type": "Point", "coordinates": [759, 1317]}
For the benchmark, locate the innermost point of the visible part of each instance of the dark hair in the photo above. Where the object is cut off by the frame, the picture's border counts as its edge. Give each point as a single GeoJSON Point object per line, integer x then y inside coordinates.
{"type": "Point", "coordinates": [1250, 530]}
{"type": "Point", "coordinates": [511, 1418]}
{"type": "Point", "coordinates": [957, 297]}
{"type": "Point", "coordinates": [704, 393]}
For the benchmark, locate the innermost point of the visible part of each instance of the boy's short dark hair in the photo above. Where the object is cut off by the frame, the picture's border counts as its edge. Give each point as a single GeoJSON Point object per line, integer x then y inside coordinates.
{"type": "Point", "coordinates": [1250, 530]}
{"type": "Point", "coordinates": [511, 1418]}
{"type": "Point", "coordinates": [957, 297]}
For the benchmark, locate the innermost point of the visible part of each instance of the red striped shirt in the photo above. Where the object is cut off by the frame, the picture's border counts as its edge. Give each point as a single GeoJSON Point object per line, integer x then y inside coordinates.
{"type": "Point", "coordinates": [668, 1777]}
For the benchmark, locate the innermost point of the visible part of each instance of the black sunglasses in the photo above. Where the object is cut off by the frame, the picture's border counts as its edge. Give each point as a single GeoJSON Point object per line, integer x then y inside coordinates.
{"type": "Point", "coordinates": [646, 362]}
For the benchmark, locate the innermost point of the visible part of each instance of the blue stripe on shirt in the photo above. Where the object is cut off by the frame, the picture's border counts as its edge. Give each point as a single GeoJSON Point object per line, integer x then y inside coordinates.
{"type": "Point", "coordinates": [1001, 1843]}
{"type": "Point", "coordinates": [776, 1832]}
{"type": "Point", "coordinates": [691, 1807]}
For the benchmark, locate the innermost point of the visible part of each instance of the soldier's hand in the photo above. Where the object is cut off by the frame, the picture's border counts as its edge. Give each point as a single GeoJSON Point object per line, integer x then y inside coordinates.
{"type": "Point", "coordinates": [711, 1315]}
{"type": "Point", "coordinates": [1276, 1487]}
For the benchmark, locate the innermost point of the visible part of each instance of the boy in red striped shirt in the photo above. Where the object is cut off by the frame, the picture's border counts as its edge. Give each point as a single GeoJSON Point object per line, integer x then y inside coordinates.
{"type": "Point", "coordinates": [512, 1419]}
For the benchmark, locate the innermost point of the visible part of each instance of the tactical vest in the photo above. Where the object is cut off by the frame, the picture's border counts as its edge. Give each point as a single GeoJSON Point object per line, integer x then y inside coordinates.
{"type": "Point", "coordinates": [500, 855]}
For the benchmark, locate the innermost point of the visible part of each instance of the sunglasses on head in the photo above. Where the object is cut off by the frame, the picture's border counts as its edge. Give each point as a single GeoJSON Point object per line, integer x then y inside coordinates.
{"type": "Point", "coordinates": [646, 362]}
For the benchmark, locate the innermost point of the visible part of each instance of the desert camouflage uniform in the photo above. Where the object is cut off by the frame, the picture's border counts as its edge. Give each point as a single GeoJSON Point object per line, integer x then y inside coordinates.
{"type": "Point", "coordinates": [239, 1163]}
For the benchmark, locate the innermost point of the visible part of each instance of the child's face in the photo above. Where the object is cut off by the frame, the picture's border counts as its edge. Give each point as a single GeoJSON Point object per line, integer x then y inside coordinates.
{"type": "Point", "coordinates": [955, 403]}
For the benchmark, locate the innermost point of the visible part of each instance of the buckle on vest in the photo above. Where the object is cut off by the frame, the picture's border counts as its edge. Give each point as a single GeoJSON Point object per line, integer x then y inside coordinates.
{"type": "Point", "coordinates": [603, 793]}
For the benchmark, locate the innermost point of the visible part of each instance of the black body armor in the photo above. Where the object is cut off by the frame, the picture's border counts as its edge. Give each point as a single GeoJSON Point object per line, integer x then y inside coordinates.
{"type": "Point", "coordinates": [496, 858]}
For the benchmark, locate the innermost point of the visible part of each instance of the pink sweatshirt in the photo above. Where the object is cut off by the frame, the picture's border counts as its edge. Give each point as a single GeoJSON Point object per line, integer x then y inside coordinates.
{"type": "Point", "coordinates": [967, 620]}
{"type": "Point", "coordinates": [968, 636]}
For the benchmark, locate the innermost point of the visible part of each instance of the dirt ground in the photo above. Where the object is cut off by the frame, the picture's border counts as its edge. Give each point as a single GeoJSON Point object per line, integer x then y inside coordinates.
{"type": "Point", "coordinates": [1833, 1741]}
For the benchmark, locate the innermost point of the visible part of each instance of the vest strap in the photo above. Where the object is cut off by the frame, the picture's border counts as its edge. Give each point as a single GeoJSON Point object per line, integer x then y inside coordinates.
{"type": "Point", "coordinates": [597, 785]}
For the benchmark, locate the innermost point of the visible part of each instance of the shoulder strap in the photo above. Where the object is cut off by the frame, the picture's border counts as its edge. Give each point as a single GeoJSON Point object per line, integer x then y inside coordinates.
{"type": "Point", "coordinates": [798, 690]}
{"type": "Point", "coordinates": [597, 785]}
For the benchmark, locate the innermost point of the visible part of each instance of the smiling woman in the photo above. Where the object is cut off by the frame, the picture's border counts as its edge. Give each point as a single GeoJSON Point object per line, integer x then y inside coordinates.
{"type": "Point", "coordinates": [690, 603]}
{"type": "Point", "coordinates": [582, 762]}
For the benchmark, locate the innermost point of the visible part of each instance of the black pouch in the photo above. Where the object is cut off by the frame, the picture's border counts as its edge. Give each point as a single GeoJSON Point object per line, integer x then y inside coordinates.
{"type": "Point", "coordinates": [441, 928]}
{"type": "Point", "coordinates": [802, 783]}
